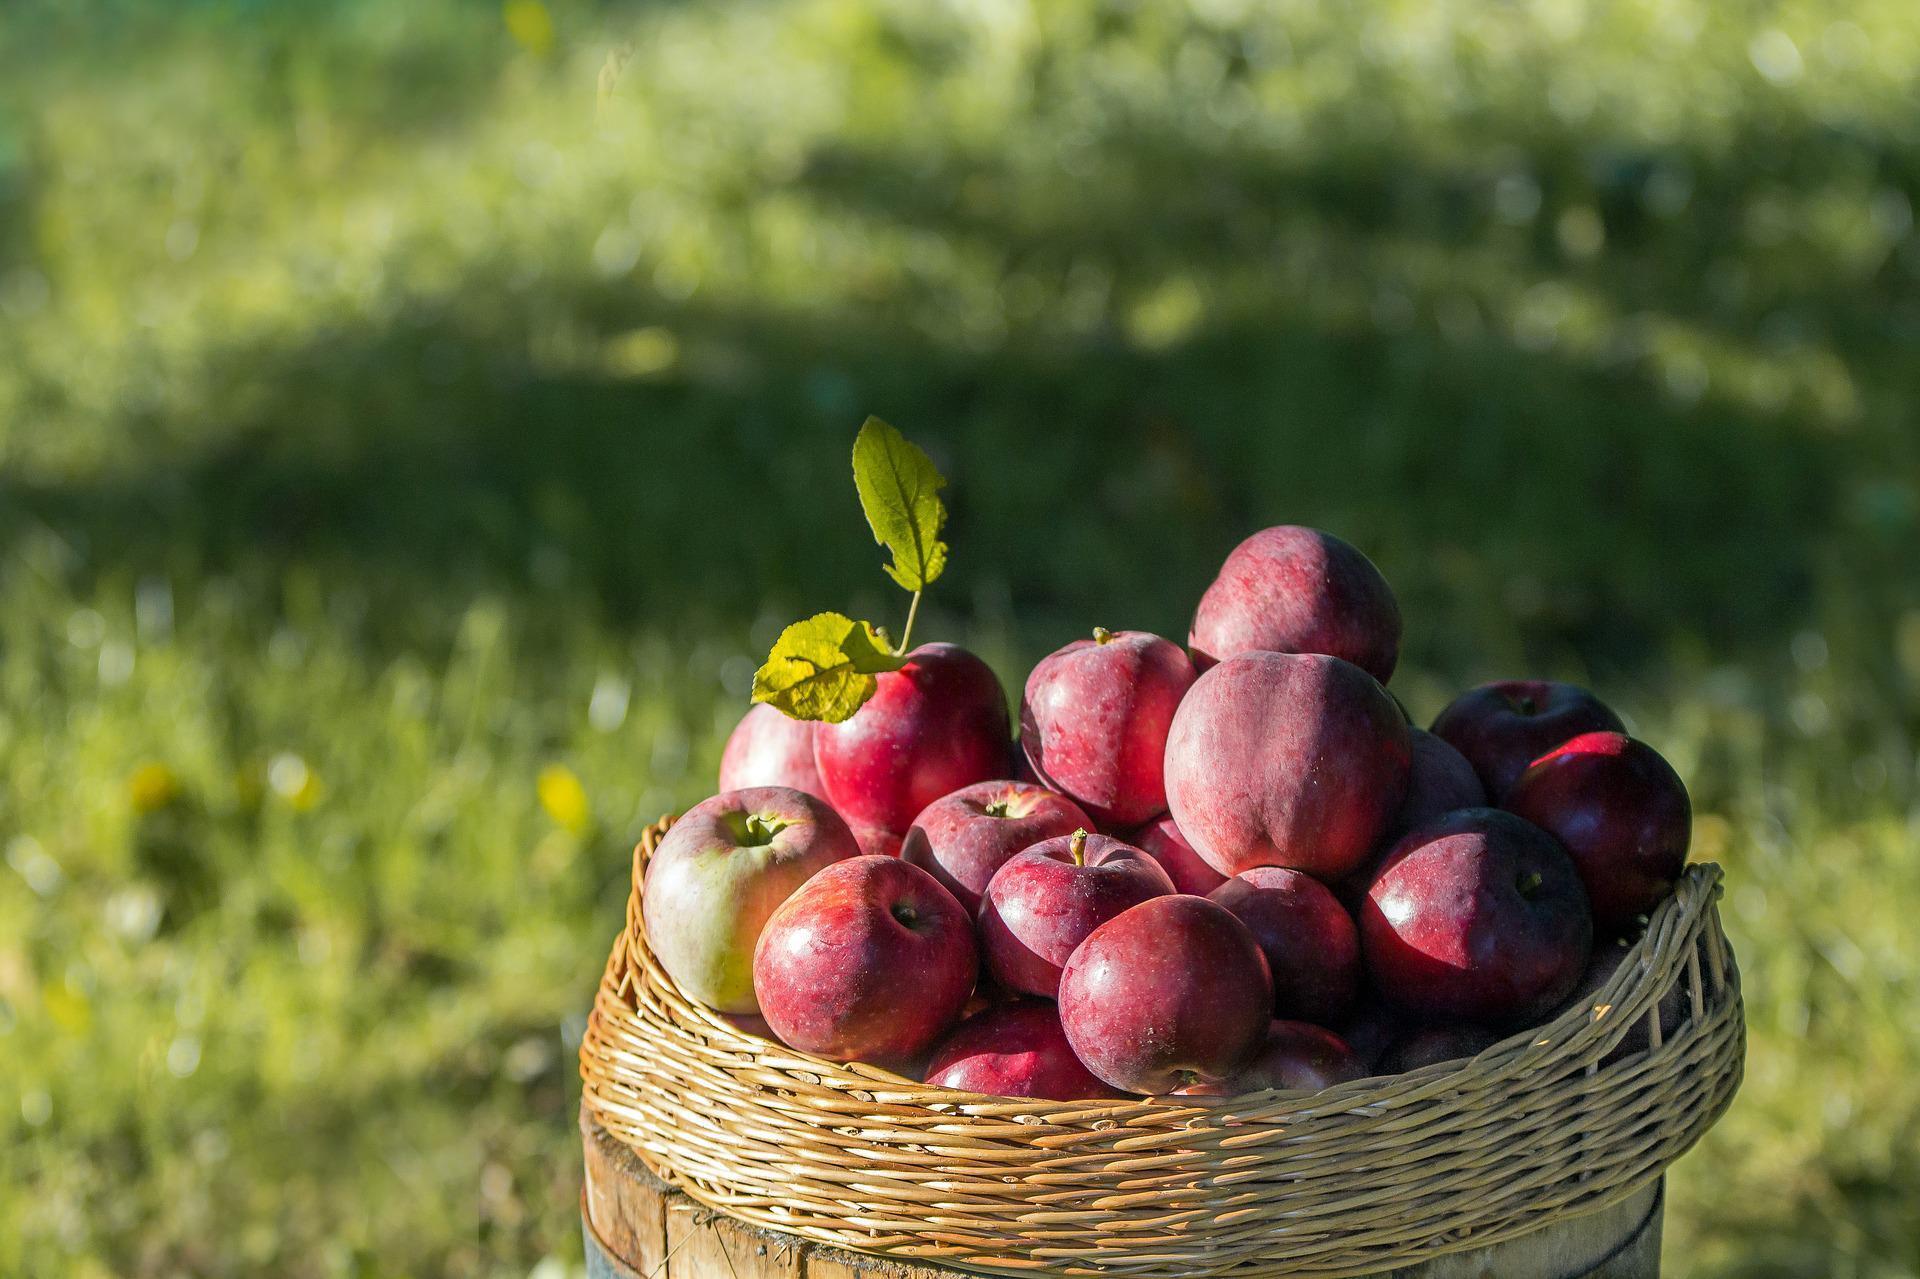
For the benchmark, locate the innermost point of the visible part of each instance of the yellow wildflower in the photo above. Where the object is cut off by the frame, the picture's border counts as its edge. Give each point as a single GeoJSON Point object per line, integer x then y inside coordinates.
{"type": "Point", "coordinates": [564, 798]}
{"type": "Point", "coordinates": [152, 787]}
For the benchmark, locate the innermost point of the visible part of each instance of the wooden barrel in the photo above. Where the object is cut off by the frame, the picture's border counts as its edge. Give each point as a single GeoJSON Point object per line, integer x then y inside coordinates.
{"type": "Point", "coordinates": [637, 1228]}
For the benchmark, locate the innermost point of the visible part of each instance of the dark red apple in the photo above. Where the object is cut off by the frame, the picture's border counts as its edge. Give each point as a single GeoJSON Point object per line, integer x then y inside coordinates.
{"type": "Point", "coordinates": [1162, 841]}
{"type": "Point", "coordinates": [1478, 917]}
{"type": "Point", "coordinates": [1171, 992]}
{"type": "Point", "coordinates": [1622, 814]}
{"type": "Point", "coordinates": [1094, 721]}
{"type": "Point", "coordinates": [871, 960]}
{"type": "Point", "coordinates": [1440, 782]}
{"type": "Point", "coordinates": [1014, 1050]}
{"type": "Point", "coordinates": [963, 838]}
{"type": "Point", "coordinates": [935, 725]}
{"type": "Point", "coordinates": [1045, 901]}
{"type": "Point", "coordinates": [749, 1023]}
{"type": "Point", "coordinates": [1280, 759]}
{"type": "Point", "coordinates": [1504, 726]}
{"type": "Point", "coordinates": [1298, 1054]}
{"type": "Point", "coordinates": [1298, 590]}
{"type": "Point", "coordinates": [1311, 944]}
{"type": "Point", "coordinates": [766, 748]}
{"type": "Point", "coordinates": [875, 842]}
{"type": "Point", "coordinates": [1433, 1044]}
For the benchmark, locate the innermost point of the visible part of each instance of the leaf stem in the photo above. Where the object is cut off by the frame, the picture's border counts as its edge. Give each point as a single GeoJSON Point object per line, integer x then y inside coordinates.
{"type": "Point", "coordinates": [906, 635]}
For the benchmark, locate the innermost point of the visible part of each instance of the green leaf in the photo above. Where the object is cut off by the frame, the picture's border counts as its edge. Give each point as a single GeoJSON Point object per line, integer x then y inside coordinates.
{"type": "Point", "coordinates": [823, 668]}
{"type": "Point", "coordinates": [900, 492]}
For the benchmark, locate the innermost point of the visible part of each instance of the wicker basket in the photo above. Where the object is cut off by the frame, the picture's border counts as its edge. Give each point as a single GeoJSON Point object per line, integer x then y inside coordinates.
{"type": "Point", "coordinates": [1351, 1180]}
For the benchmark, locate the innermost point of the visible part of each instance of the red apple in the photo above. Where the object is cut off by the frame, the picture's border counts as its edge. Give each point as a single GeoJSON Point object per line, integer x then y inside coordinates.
{"type": "Point", "coordinates": [1280, 759]}
{"type": "Point", "coordinates": [1094, 721]}
{"type": "Point", "coordinates": [749, 1023]}
{"type": "Point", "coordinates": [1162, 841]}
{"type": "Point", "coordinates": [1014, 1050]}
{"type": "Point", "coordinates": [875, 842]}
{"type": "Point", "coordinates": [1623, 815]}
{"type": "Point", "coordinates": [1298, 1054]}
{"type": "Point", "coordinates": [935, 725]}
{"type": "Point", "coordinates": [1311, 945]}
{"type": "Point", "coordinates": [1504, 726]}
{"type": "Point", "coordinates": [1171, 992]}
{"type": "Point", "coordinates": [1045, 901]}
{"type": "Point", "coordinates": [1440, 782]}
{"type": "Point", "coordinates": [721, 872]}
{"type": "Point", "coordinates": [1298, 590]}
{"type": "Point", "coordinates": [1295, 1055]}
{"type": "Point", "coordinates": [1433, 1044]}
{"type": "Point", "coordinates": [766, 748]}
{"type": "Point", "coordinates": [963, 838]}
{"type": "Point", "coordinates": [871, 960]}
{"type": "Point", "coordinates": [1479, 917]}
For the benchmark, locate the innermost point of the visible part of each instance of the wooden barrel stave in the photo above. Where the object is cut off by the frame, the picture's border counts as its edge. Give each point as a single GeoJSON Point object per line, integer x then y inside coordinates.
{"type": "Point", "coordinates": [636, 1227]}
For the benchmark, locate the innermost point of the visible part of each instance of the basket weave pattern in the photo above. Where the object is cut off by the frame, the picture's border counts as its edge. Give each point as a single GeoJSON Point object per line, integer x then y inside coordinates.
{"type": "Point", "coordinates": [1352, 1180]}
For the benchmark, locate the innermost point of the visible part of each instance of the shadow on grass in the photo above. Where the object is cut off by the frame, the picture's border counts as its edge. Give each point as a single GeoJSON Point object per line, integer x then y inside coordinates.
{"type": "Point", "coordinates": [1675, 220]}
{"type": "Point", "coordinates": [1511, 494]}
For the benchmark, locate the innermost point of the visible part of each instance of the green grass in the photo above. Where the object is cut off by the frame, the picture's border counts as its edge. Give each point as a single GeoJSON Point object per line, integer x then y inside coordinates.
{"type": "Point", "coordinates": [395, 410]}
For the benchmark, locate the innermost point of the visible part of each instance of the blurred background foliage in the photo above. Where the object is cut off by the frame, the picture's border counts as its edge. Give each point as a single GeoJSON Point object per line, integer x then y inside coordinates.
{"type": "Point", "coordinates": [416, 420]}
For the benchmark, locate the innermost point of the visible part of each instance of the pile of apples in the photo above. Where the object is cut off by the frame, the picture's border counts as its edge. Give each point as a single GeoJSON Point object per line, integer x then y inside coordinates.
{"type": "Point", "coordinates": [1206, 870]}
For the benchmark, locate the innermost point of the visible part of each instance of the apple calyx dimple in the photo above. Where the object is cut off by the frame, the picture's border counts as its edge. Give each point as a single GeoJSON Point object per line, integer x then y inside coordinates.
{"type": "Point", "coordinates": [997, 808]}
{"type": "Point", "coordinates": [1101, 635]}
{"type": "Point", "coordinates": [1528, 884]}
{"type": "Point", "coordinates": [1077, 849]}
{"type": "Point", "coordinates": [903, 914]}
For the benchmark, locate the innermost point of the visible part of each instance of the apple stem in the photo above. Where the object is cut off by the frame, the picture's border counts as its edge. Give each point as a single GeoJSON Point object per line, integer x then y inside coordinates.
{"type": "Point", "coordinates": [758, 829]}
{"type": "Point", "coordinates": [906, 635]}
{"type": "Point", "coordinates": [1078, 847]}
{"type": "Point", "coordinates": [1101, 635]}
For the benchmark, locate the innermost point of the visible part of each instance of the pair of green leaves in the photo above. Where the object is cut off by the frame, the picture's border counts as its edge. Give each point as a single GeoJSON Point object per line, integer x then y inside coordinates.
{"type": "Point", "coordinates": [824, 668]}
